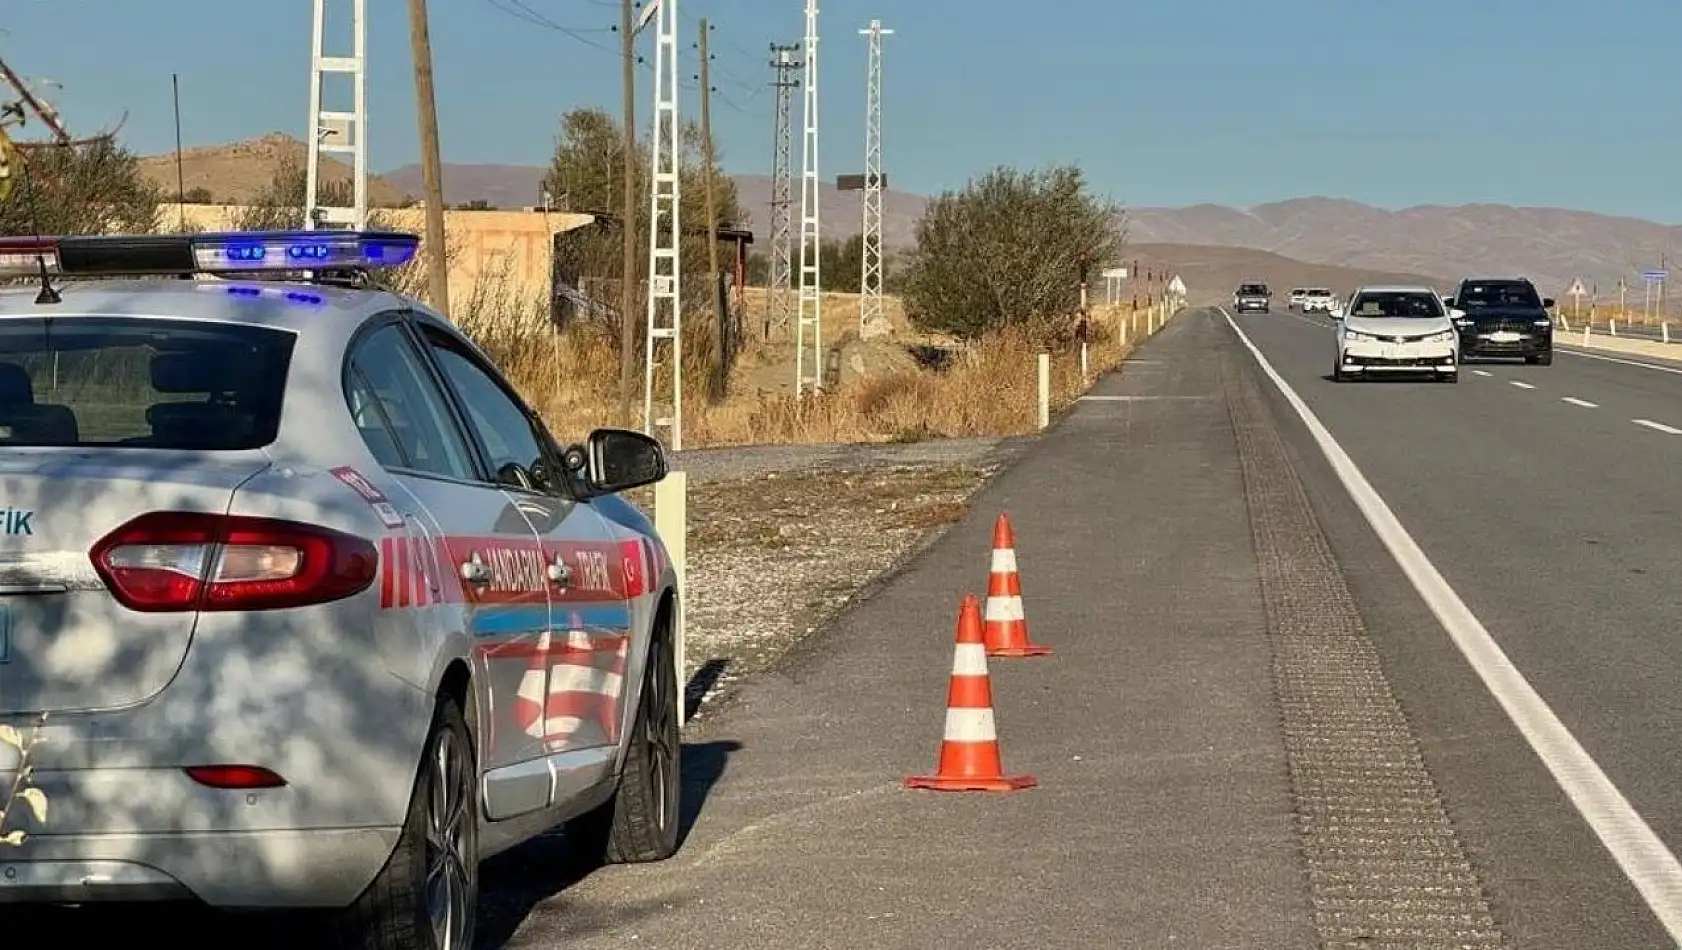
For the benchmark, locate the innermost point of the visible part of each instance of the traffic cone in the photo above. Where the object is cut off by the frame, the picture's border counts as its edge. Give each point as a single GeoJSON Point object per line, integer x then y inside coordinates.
{"type": "Point", "coordinates": [1006, 629]}
{"type": "Point", "coordinates": [969, 752]}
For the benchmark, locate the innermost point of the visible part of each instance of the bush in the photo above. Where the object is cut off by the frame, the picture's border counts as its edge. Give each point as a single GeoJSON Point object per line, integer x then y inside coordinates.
{"type": "Point", "coordinates": [1010, 249]}
{"type": "Point", "coordinates": [92, 188]}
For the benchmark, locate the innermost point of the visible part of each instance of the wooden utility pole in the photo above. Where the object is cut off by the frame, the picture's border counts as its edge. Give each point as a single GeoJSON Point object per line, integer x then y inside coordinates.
{"type": "Point", "coordinates": [628, 217]}
{"type": "Point", "coordinates": [708, 154]}
{"type": "Point", "coordinates": [432, 163]}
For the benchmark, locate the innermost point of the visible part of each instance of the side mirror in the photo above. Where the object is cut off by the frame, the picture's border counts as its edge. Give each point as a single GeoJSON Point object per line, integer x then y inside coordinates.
{"type": "Point", "coordinates": [1448, 302]}
{"type": "Point", "coordinates": [1456, 314]}
{"type": "Point", "coordinates": [616, 460]}
{"type": "Point", "coordinates": [1547, 303]}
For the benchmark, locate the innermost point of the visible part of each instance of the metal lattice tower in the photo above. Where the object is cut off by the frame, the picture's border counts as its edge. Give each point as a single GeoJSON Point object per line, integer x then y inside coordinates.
{"type": "Point", "coordinates": [872, 316]}
{"type": "Point", "coordinates": [665, 315]}
{"type": "Point", "coordinates": [808, 343]}
{"type": "Point", "coordinates": [338, 131]}
{"type": "Point", "coordinates": [778, 292]}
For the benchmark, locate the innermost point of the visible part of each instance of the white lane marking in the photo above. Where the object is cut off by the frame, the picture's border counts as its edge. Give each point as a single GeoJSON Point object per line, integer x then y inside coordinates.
{"type": "Point", "coordinates": [1483, 372]}
{"type": "Point", "coordinates": [1573, 400]}
{"type": "Point", "coordinates": [1668, 430]}
{"type": "Point", "coordinates": [1614, 359]}
{"type": "Point", "coordinates": [1645, 860]}
{"type": "Point", "coordinates": [1521, 385]}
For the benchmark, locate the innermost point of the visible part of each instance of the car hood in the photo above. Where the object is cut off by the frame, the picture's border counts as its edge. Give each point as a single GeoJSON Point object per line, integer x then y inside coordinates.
{"type": "Point", "coordinates": [1397, 326]}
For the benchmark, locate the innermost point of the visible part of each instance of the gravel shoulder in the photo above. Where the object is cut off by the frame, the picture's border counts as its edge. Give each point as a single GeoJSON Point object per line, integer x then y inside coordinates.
{"type": "Point", "coordinates": [781, 538]}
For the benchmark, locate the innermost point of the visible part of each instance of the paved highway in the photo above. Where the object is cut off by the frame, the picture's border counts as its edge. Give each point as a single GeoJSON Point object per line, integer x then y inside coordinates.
{"type": "Point", "coordinates": [1548, 498]}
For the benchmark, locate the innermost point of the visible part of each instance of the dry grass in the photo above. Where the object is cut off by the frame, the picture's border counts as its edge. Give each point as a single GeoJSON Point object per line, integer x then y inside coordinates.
{"type": "Point", "coordinates": [988, 389]}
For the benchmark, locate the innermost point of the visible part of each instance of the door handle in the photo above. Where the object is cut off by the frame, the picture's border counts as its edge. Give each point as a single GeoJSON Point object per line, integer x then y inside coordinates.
{"type": "Point", "coordinates": [475, 571]}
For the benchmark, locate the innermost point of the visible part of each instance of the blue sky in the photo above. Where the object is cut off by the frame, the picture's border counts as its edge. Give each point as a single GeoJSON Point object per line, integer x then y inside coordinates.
{"type": "Point", "coordinates": [1172, 102]}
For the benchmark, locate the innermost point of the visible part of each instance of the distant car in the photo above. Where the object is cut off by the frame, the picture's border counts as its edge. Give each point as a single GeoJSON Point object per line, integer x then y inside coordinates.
{"type": "Point", "coordinates": [321, 612]}
{"type": "Point", "coordinates": [1318, 300]}
{"type": "Point", "coordinates": [1503, 317]}
{"type": "Point", "coordinates": [1398, 329]}
{"type": "Point", "coordinates": [1252, 297]}
{"type": "Point", "coordinates": [1297, 293]}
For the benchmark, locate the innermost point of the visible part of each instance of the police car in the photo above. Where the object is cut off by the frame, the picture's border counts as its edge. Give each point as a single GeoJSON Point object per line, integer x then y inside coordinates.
{"type": "Point", "coordinates": [319, 614]}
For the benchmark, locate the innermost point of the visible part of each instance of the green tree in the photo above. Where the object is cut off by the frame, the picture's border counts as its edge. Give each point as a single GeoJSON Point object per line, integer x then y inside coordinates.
{"type": "Point", "coordinates": [92, 188]}
{"type": "Point", "coordinates": [587, 174]}
{"type": "Point", "coordinates": [841, 264]}
{"type": "Point", "coordinates": [1008, 249]}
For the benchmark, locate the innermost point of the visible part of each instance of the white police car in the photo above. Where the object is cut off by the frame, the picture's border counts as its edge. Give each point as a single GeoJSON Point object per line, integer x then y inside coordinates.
{"type": "Point", "coordinates": [320, 614]}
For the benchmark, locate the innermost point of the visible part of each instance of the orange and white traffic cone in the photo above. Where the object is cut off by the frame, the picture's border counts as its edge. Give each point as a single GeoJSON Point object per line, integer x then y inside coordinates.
{"type": "Point", "coordinates": [1007, 625]}
{"type": "Point", "coordinates": [969, 752]}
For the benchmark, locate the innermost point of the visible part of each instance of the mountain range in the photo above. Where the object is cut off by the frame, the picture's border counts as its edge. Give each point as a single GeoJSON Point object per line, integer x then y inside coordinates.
{"type": "Point", "coordinates": [1550, 245]}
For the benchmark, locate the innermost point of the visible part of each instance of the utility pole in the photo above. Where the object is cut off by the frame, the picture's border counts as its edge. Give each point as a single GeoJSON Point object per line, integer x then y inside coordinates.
{"type": "Point", "coordinates": [809, 324]}
{"type": "Point", "coordinates": [628, 211]}
{"type": "Point", "coordinates": [708, 155]}
{"type": "Point", "coordinates": [782, 169]}
{"type": "Point", "coordinates": [873, 320]}
{"type": "Point", "coordinates": [349, 128]}
{"type": "Point", "coordinates": [665, 237]}
{"type": "Point", "coordinates": [432, 162]}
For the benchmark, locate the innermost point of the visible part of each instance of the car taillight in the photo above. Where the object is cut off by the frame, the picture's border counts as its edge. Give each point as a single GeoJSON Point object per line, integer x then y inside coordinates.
{"type": "Point", "coordinates": [176, 560]}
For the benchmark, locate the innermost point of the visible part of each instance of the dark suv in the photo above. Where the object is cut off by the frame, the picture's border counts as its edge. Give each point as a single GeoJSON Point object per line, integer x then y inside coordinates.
{"type": "Point", "coordinates": [1252, 296]}
{"type": "Point", "coordinates": [1503, 316]}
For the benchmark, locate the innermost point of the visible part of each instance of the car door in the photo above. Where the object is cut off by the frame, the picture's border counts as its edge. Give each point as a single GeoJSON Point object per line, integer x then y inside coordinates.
{"type": "Point", "coordinates": [480, 559]}
{"type": "Point", "coordinates": [590, 620]}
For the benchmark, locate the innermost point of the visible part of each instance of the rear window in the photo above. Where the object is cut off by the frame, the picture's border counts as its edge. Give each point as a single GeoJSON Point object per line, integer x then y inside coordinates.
{"type": "Point", "coordinates": [1253, 289]}
{"type": "Point", "coordinates": [140, 383]}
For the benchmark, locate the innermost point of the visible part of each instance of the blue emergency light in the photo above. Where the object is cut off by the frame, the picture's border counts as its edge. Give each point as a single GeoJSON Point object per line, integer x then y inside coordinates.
{"type": "Point", "coordinates": [233, 252]}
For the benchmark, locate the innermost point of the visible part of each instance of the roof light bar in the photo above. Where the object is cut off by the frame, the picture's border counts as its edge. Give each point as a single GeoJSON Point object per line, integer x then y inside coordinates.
{"type": "Point", "coordinates": [236, 252]}
{"type": "Point", "coordinates": [22, 257]}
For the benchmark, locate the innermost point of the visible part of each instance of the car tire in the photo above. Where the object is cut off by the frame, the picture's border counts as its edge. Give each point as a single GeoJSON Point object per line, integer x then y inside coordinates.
{"type": "Point", "coordinates": [1546, 359]}
{"type": "Point", "coordinates": [640, 822]}
{"type": "Point", "coordinates": [1449, 377]}
{"type": "Point", "coordinates": [1338, 375]}
{"type": "Point", "coordinates": [394, 912]}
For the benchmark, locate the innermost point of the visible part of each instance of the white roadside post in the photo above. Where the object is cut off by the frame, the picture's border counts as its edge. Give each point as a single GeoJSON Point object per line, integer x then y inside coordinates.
{"type": "Point", "coordinates": [1585, 334]}
{"type": "Point", "coordinates": [671, 520]}
{"type": "Point", "coordinates": [1612, 325]}
{"type": "Point", "coordinates": [1664, 333]}
{"type": "Point", "coordinates": [1045, 389]}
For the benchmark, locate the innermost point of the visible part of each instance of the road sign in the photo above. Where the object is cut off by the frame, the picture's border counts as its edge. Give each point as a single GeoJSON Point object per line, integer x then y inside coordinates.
{"type": "Point", "coordinates": [1177, 287]}
{"type": "Point", "coordinates": [1114, 273]}
{"type": "Point", "coordinates": [1654, 276]}
{"type": "Point", "coordinates": [1577, 288]}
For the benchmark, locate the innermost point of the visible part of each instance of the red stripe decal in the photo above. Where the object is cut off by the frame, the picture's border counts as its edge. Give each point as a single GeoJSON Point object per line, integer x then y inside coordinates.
{"type": "Point", "coordinates": [387, 582]}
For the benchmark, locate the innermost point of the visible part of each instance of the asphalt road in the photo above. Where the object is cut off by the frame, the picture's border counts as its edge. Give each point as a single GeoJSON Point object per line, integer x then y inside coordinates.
{"type": "Point", "coordinates": [1547, 497]}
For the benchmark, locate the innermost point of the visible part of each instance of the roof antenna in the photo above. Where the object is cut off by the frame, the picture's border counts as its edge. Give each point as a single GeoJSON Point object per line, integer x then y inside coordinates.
{"type": "Point", "coordinates": [48, 294]}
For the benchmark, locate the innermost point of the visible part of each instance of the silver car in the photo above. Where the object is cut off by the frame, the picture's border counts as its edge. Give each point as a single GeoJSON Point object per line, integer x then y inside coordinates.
{"type": "Point", "coordinates": [319, 613]}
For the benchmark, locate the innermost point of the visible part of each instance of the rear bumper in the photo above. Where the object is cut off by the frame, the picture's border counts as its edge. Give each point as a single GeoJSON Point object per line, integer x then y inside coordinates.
{"type": "Point", "coordinates": [1251, 306]}
{"type": "Point", "coordinates": [257, 870]}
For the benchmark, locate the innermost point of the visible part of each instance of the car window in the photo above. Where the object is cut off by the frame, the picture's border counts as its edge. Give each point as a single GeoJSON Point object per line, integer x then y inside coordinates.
{"type": "Point", "coordinates": [402, 415]}
{"type": "Point", "coordinates": [141, 382]}
{"type": "Point", "coordinates": [1397, 305]}
{"type": "Point", "coordinates": [501, 423]}
{"type": "Point", "coordinates": [1480, 296]}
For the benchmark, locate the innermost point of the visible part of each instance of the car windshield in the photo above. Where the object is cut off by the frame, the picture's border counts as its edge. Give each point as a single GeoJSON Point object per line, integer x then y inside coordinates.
{"type": "Point", "coordinates": [1253, 289]}
{"type": "Point", "coordinates": [1403, 304]}
{"type": "Point", "coordinates": [140, 383]}
{"type": "Point", "coordinates": [1319, 292]}
{"type": "Point", "coordinates": [1484, 296]}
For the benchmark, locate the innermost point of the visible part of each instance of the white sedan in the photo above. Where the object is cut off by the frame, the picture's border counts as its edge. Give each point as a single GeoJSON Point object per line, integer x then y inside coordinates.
{"type": "Point", "coordinates": [1396, 330]}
